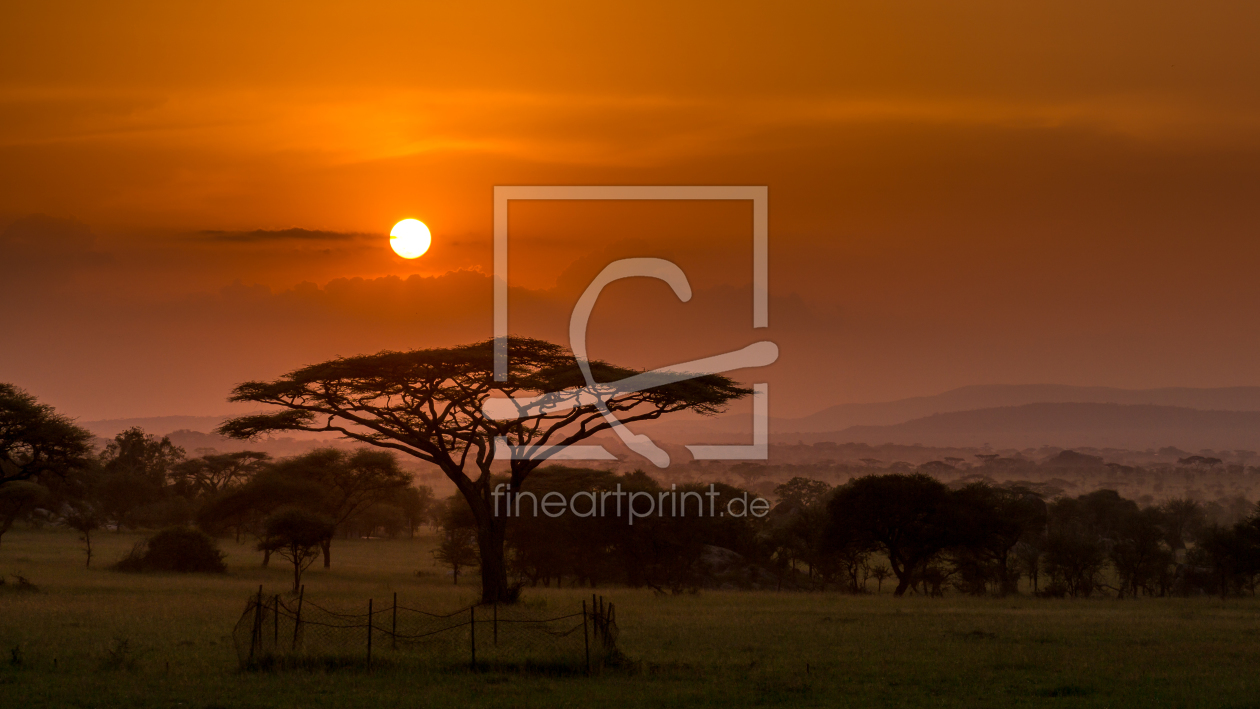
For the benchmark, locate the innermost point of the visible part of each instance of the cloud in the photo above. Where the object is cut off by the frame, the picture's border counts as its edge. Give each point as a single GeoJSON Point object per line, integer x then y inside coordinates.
{"type": "Point", "coordinates": [40, 242]}
{"type": "Point", "coordinates": [271, 235]}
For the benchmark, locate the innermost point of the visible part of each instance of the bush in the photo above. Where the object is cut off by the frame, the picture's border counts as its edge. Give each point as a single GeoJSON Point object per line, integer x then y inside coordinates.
{"type": "Point", "coordinates": [177, 549]}
{"type": "Point", "coordinates": [119, 656]}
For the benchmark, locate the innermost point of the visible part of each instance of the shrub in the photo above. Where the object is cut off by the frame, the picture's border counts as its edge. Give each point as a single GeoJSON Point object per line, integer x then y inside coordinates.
{"type": "Point", "coordinates": [119, 656]}
{"type": "Point", "coordinates": [20, 584]}
{"type": "Point", "coordinates": [177, 549]}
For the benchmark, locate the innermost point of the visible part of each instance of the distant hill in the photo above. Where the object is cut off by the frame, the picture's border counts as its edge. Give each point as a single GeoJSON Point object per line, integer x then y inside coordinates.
{"type": "Point", "coordinates": [1067, 425]}
{"type": "Point", "coordinates": [1050, 414]}
{"type": "Point", "coordinates": [991, 396]}
{"type": "Point", "coordinates": [156, 425]}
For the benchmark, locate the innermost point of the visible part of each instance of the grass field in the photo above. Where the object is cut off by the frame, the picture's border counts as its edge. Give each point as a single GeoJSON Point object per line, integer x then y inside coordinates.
{"type": "Point", "coordinates": [710, 649]}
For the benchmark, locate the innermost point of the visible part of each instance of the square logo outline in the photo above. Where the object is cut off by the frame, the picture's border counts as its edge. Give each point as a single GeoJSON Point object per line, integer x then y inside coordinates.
{"type": "Point", "coordinates": [758, 195]}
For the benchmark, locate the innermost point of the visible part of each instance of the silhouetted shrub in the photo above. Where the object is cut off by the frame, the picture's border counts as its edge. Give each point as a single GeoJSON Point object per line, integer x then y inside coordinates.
{"type": "Point", "coordinates": [119, 656]}
{"type": "Point", "coordinates": [177, 549]}
{"type": "Point", "coordinates": [20, 584]}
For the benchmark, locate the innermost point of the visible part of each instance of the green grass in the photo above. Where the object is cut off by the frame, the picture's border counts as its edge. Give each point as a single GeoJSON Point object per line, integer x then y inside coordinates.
{"type": "Point", "coordinates": [727, 649]}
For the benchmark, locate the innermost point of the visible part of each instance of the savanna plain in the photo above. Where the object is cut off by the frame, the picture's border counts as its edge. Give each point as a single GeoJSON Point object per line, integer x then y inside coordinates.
{"type": "Point", "coordinates": [61, 643]}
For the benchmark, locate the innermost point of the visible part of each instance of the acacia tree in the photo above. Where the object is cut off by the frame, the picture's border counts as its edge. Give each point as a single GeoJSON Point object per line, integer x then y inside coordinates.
{"type": "Point", "coordinates": [296, 535]}
{"type": "Point", "coordinates": [84, 518]}
{"type": "Point", "coordinates": [35, 440]}
{"type": "Point", "coordinates": [349, 482]}
{"type": "Point", "coordinates": [911, 518]}
{"type": "Point", "coordinates": [210, 474]}
{"type": "Point", "coordinates": [429, 404]}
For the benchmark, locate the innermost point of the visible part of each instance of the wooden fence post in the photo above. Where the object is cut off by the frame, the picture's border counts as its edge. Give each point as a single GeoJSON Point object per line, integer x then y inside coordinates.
{"type": "Point", "coordinates": [472, 634]}
{"type": "Point", "coordinates": [297, 620]}
{"type": "Point", "coordinates": [369, 652]}
{"type": "Point", "coordinates": [256, 632]}
{"type": "Point", "coordinates": [586, 638]}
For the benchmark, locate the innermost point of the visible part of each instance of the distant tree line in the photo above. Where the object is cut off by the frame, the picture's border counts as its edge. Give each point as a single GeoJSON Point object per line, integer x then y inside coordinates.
{"type": "Point", "coordinates": [50, 474]}
{"type": "Point", "coordinates": [980, 538]}
{"type": "Point", "coordinates": [921, 535]}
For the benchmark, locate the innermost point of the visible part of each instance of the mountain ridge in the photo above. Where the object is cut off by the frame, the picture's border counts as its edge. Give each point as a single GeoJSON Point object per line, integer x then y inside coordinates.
{"type": "Point", "coordinates": [1070, 424]}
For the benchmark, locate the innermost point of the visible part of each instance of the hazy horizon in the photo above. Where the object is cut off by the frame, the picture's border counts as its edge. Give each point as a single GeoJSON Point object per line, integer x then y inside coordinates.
{"type": "Point", "coordinates": [953, 200]}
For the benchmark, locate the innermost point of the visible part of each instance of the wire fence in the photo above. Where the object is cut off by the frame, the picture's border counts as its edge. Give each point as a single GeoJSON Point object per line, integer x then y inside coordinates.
{"type": "Point", "coordinates": [277, 631]}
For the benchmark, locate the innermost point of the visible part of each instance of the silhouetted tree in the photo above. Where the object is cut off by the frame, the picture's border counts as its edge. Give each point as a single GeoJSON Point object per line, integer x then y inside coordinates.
{"type": "Point", "coordinates": [428, 404]}
{"type": "Point", "coordinates": [134, 471]}
{"type": "Point", "coordinates": [796, 530]}
{"type": "Point", "coordinates": [84, 518]}
{"type": "Point", "coordinates": [544, 548]}
{"type": "Point", "coordinates": [1075, 551]}
{"type": "Point", "coordinates": [879, 572]}
{"type": "Point", "coordinates": [990, 521]}
{"type": "Point", "coordinates": [330, 482]}
{"type": "Point", "coordinates": [213, 473]}
{"type": "Point", "coordinates": [349, 481]}
{"type": "Point", "coordinates": [1138, 552]}
{"type": "Point", "coordinates": [246, 508]}
{"type": "Point", "coordinates": [17, 499]}
{"type": "Point", "coordinates": [36, 441]}
{"type": "Point", "coordinates": [296, 535]}
{"type": "Point", "coordinates": [802, 492]}
{"type": "Point", "coordinates": [1183, 519]}
{"type": "Point", "coordinates": [1028, 553]}
{"type": "Point", "coordinates": [911, 518]}
{"type": "Point", "coordinates": [457, 543]}
{"type": "Point", "coordinates": [416, 503]}
{"type": "Point", "coordinates": [1233, 555]}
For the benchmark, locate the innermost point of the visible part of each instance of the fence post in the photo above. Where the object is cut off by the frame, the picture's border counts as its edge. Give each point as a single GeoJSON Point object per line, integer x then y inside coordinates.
{"type": "Point", "coordinates": [369, 653]}
{"type": "Point", "coordinates": [496, 624]}
{"type": "Point", "coordinates": [597, 615]}
{"type": "Point", "coordinates": [275, 631]}
{"type": "Point", "coordinates": [586, 638]}
{"type": "Point", "coordinates": [472, 634]}
{"type": "Point", "coordinates": [297, 620]}
{"type": "Point", "coordinates": [393, 627]}
{"type": "Point", "coordinates": [255, 636]}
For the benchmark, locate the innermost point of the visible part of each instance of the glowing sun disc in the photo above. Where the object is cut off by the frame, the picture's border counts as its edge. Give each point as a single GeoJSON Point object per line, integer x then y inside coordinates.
{"type": "Point", "coordinates": [410, 238]}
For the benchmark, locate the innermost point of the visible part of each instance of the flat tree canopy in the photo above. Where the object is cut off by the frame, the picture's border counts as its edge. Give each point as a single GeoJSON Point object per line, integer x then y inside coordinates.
{"type": "Point", "coordinates": [35, 440]}
{"type": "Point", "coordinates": [429, 404]}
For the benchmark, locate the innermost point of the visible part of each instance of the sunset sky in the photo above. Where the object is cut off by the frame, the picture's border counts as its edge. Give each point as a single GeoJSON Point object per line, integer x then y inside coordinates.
{"type": "Point", "coordinates": [197, 194]}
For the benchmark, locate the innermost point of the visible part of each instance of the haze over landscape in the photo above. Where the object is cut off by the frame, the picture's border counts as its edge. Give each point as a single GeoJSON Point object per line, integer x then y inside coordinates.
{"type": "Point", "coordinates": [938, 219]}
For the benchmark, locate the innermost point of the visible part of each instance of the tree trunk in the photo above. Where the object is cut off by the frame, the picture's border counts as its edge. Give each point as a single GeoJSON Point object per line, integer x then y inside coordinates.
{"type": "Point", "coordinates": [490, 536]}
{"type": "Point", "coordinates": [494, 585]}
{"type": "Point", "coordinates": [903, 570]}
{"type": "Point", "coordinates": [903, 583]}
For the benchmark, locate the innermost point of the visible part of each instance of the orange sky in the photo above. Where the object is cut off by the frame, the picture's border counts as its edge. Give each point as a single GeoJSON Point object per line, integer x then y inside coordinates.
{"type": "Point", "coordinates": [960, 193]}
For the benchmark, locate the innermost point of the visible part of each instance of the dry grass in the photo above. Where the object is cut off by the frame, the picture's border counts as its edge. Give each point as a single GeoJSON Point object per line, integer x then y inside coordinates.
{"type": "Point", "coordinates": [711, 649]}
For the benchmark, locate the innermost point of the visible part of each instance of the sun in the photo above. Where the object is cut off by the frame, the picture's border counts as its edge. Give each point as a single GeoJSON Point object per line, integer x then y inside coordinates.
{"type": "Point", "coordinates": [410, 238]}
